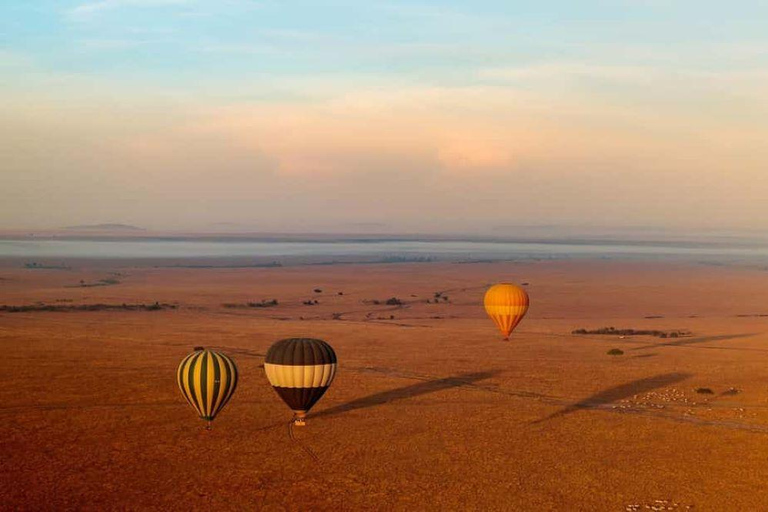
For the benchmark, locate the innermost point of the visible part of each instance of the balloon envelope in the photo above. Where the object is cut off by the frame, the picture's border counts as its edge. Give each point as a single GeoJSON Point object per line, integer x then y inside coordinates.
{"type": "Point", "coordinates": [300, 370]}
{"type": "Point", "coordinates": [207, 379]}
{"type": "Point", "coordinates": [506, 304]}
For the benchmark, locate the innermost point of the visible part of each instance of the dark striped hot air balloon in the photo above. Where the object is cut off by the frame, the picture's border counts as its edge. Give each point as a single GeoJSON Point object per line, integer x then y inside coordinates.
{"type": "Point", "coordinates": [506, 304]}
{"type": "Point", "coordinates": [207, 379]}
{"type": "Point", "coordinates": [300, 370]}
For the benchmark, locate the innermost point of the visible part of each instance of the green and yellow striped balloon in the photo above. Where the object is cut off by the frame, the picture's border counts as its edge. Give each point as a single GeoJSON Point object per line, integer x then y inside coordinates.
{"type": "Point", "coordinates": [207, 379]}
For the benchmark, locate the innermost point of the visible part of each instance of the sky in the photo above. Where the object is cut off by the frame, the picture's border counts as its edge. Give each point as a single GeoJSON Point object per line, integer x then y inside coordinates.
{"type": "Point", "coordinates": [471, 117]}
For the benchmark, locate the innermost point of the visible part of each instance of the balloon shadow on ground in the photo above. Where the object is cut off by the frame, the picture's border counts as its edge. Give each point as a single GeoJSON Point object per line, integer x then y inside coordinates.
{"type": "Point", "coordinates": [414, 390]}
{"type": "Point", "coordinates": [620, 392]}
{"type": "Point", "coordinates": [681, 342]}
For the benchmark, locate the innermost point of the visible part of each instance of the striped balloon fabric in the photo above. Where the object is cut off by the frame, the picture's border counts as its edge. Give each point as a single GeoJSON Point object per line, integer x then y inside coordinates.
{"type": "Point", "coordinates": [506, 304]}
{"type": "Point", "coordinates": [300, 370]}
{"type": "Point", "coordinates": [207, 379]}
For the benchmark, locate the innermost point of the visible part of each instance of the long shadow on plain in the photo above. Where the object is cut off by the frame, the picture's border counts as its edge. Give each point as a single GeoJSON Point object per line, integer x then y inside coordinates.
{"type": "Point", "coordinates": [422, 388]}
{"type": "Point", "coordinates": [616, 393]}
{"type": "Point", "coordinates": [681, 342]}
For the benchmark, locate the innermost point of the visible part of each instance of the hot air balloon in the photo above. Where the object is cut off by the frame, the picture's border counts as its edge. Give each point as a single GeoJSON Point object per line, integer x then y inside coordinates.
{"type": "Point", "coordinates": [300, 370]}
{"type": "Point", "coordinates": [207, 379]}
{"type": "Point", "coordinates": [506, 304]}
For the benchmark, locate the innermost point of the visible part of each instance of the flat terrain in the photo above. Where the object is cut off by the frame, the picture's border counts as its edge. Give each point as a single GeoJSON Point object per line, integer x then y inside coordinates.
{"type": "Point", "coordinates": [430, 410]}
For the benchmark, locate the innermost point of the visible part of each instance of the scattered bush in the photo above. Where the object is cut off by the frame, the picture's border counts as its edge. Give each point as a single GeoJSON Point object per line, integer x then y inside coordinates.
{"type": "Point", "coordinates": [705, 391]}
{"type": "Point", "coordinates": [632, 332]}
{"type": "Point", "coordinates": [394, 301]}
{"type": "Point", "coordinates": [101, 282]}
{"type": "Point", "coordinates": [615, 352]}
{"type": "Point", "coordinates": [262, 304]}
{"type": "Point", "coordinates": [318, 290]}
{"type": "Point", "coordinates": [35, 265]}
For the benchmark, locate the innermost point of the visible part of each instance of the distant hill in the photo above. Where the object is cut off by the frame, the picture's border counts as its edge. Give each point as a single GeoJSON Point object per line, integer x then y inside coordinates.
{"type": "Point", "coordinates": [104, 227]}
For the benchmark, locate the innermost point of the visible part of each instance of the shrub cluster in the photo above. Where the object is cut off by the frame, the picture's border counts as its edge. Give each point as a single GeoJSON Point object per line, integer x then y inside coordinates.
{"type": "Point", "coordinates": [157, 306]}
{"type": "Point", "coordinates": [632, 332]}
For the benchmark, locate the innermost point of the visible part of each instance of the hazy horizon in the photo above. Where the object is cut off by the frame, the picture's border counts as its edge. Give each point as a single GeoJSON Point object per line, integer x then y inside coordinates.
{"type": "Point", "coordinates": [557, 234]}
{"type": "Point", "coordinates": [409, 118]}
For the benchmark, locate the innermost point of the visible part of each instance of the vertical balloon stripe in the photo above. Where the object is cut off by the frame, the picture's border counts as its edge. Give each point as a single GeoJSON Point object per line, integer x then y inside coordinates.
{"type": "Point", "coordinates": [180, 375]}
{"type": "Point", "coordinates": [226, 382]}
{"type": "Point", "coordinates": [216, 383]}
{"type": "Point", "coordinates": [191, 384]}
{"type": "Point", "coordinates": [230, 375]}
{"type": "Point", "coordinates": [202, 383]}
{"type": "Point", "coordinates": [232, 378]}
{"type": "Point", "coordinates": [211, 381]}
{"type": "Point", "coordinates": [188, 390]}
{"type": "Point", "coordinates": [194, 382]}
{"type": "Point", "coordinates": [197, 373]}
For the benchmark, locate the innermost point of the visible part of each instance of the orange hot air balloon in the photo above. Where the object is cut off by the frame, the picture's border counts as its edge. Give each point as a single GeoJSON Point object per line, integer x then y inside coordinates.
{"type": "Point", "coordinates": [506, 304]}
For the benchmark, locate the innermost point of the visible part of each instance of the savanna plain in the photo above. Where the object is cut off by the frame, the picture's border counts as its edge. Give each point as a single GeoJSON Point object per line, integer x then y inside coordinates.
{"type": "Point", "coordinates": [430, 409]}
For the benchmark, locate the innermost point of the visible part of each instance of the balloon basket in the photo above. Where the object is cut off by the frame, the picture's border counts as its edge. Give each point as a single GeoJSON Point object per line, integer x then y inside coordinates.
{"type": "Point", "coordinates": [300, 419]}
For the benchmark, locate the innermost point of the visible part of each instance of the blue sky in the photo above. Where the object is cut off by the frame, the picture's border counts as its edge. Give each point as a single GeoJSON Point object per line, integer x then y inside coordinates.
{"type": "Point", "coordinates": [170, 43]}
{"type": "Point", "coordinates": [441, 95]}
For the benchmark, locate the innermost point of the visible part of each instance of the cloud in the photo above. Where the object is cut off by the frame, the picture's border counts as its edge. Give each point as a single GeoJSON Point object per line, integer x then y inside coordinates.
{"type": "Point", "coordinates": [14, 60]}
{"type": "Point", "coordinates": [88, 10]}
{"type": "Point", "coordinates": [553, 71]}
{"type": "Point", "coordinates": [383, 150]}
{"type": "Point", "coordinates": [239, 49]}
{"type": "Point", "coordinates": [111, 44]}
